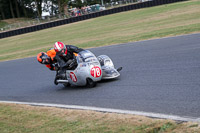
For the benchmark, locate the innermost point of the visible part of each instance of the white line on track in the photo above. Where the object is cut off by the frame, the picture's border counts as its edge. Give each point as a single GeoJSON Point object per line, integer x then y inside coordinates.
{"type": "Point", "coordinates": [148, 114]}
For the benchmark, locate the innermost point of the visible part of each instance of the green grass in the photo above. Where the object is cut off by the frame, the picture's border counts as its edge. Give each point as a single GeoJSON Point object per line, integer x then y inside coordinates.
{"type": "Point", "coordinates": [14, 23]}
{"type": "Point", "coordinates": [2, 24]}
{"type": "Point", "coordinates": [148, 23]}
{"type": "Point", "coordinates": [26, 119]}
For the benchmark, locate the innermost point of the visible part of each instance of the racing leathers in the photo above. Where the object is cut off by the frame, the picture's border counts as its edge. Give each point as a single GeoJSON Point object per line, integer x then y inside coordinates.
{"type": "Point", "coordinates": [52, 53]}
{"type": "Point", "coordinates": [67, 62]}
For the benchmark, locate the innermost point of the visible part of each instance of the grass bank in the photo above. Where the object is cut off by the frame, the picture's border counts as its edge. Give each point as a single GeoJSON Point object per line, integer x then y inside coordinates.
{"type": "Point", "coordinates": [26, 119]}
{"type": "Point", "coordinates": [2, 24]}
{"type": "Point", "coordinates": [161, 21]}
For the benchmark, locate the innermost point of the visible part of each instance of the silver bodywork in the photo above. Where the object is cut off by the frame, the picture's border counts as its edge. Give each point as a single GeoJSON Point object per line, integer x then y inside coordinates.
{"type": "Point", "coordinates": [90, 66]}
{"type": "Point", "coordinates": [107, 66]}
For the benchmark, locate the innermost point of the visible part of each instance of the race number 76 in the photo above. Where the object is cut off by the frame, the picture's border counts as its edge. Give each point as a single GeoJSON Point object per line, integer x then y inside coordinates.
{"type": "Point", "coordinates": [95, 72]}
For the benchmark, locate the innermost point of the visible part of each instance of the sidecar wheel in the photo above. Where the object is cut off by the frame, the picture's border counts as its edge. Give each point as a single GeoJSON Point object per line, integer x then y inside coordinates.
{"type": "Point", "coordinates": [91, 83]}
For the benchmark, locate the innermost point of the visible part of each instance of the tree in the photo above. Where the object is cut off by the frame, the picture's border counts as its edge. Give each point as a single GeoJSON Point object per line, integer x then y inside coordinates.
{"type": "Point", "coordinates": [62, 6]}
{"type": "Point", "coordinates": [65, 6]}
{"type": "Point", "coordinates": [38, 4]}
{"type": "Point", "coordinates": [1, 9]}
{"type": "Point", "coordinates": [17, 9]}
{"type": "Point", "coordinates": [59, 6]}
{"type": "Point", "coordinates": [29, 8]}
{"type": "Point", "coordinates": [11, 9]}
{"type": "Point", "coordinates": [79, 3]}
{"type": "Point", "coordinates": [23, 5]}
{"type": "Point", "coordinates": [92, 2]}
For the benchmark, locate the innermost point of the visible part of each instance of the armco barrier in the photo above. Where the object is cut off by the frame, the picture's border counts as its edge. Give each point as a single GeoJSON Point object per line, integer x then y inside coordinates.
{"type": "Point", "coordinates": [85, 17]}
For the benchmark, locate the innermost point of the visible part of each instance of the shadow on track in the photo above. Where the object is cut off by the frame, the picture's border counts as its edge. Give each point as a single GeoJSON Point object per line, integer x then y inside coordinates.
{"type": "Point", "coordinates": [99, 84]}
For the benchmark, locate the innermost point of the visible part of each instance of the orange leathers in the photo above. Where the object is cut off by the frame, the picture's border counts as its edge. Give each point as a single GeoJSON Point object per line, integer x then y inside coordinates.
{"type": "Point", "coordinates": [51, 53]}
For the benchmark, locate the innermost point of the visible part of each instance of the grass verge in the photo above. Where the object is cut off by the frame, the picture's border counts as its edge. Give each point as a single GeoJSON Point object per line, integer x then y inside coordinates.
{"type": "Point", "coordinates": [155, 22]}
{"type": "Point", "coordinates": [24, 118]}
{"type": "Point", "coordinates": [2, 24]}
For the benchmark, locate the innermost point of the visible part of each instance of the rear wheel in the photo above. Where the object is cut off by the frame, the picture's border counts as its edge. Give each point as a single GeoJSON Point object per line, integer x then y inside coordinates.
{"type": "Point", "coordinates": [91, 83]}
{"type": "Point", "coordinates": [66, 84]}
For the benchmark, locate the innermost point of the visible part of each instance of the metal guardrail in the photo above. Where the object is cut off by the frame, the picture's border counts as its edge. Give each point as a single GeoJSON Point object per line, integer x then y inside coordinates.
{"type": "Point", "coordinates": [84, 17]}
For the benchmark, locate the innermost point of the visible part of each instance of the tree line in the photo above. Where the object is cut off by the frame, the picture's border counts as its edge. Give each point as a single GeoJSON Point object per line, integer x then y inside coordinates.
{"type": "Point", "coordinates": [34, 8]}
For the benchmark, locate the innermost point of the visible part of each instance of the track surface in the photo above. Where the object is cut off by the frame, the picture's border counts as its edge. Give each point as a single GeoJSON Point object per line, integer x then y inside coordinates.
{"type": "Point", "coordinates": [160, 76]}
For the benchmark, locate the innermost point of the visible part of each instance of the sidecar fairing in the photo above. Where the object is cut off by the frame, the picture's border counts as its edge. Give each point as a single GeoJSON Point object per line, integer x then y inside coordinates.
{"type": "Point", "coordinates": [88, 71]}
{"type": "Point", "coordinates": [107, 66]}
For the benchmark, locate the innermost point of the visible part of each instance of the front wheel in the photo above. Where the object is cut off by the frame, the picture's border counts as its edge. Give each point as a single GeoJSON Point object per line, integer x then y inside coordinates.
{"type": "Point", "coordinates": [91, 83]}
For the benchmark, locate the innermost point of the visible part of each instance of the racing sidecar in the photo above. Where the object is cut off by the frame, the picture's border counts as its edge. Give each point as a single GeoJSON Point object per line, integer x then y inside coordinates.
{"type": "Point", "coordinates": [90, 69]}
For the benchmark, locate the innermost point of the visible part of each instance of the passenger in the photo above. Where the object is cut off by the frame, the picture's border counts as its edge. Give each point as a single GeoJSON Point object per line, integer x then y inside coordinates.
{"type": "Point", "coordinates": [48, 59]}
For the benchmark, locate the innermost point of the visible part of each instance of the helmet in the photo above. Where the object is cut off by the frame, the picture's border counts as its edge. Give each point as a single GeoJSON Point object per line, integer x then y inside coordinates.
{"type": "Point", "coordinates": [60, 48]}
{"type": "Point", "coordinates": [43, 58]}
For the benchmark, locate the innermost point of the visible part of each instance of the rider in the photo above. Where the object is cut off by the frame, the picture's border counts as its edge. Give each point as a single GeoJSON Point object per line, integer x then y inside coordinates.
{"type": "Point", "coordinates": [48, 59]}
{"type": "Point", "coordinates": [65, 57]}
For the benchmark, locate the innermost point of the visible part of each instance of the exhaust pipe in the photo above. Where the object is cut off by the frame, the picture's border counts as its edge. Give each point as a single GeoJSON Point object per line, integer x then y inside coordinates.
{"type": "Point", "coordinates": [62, 81]}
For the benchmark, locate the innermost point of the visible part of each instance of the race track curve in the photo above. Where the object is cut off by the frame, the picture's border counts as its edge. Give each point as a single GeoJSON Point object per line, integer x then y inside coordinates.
{"type": "Point", "coordinates": [160, 76]}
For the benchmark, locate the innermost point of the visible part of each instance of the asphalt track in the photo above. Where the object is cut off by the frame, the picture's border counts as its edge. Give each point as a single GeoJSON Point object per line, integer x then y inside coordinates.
{"type": "Point", "coordinates": [159, 76]}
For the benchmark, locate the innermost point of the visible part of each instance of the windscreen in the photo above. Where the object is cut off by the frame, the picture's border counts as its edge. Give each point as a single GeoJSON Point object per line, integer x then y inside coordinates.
{"type": "Point", "coordinates": [86, 56]}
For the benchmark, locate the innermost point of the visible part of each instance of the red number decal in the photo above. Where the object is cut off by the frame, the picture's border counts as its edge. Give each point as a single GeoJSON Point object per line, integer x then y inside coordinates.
{"type": "Point", "coordinates": [95, 72]}
{"type": "Point", "coordinates": [73, 77]}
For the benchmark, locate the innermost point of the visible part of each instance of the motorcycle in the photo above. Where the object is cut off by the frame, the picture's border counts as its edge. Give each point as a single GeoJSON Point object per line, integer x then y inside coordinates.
{"type": "Point", "coordinates": [90, 69]}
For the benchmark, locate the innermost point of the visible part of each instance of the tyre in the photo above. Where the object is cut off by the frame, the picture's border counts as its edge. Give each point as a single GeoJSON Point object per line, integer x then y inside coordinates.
{"type": "Point", "coordinates": [66, 84]}
{"type": "Point", "coordinates": [91, 83]}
